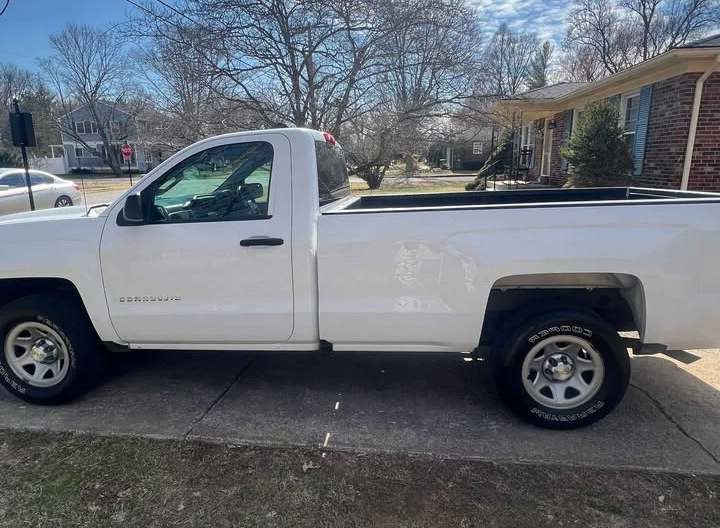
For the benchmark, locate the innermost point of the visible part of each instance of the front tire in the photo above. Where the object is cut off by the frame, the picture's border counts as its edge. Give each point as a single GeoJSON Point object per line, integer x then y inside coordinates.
{"type": "Point", "coordinates": [562, 370]}
{"type": "Point", "coordinates": [48, 350]}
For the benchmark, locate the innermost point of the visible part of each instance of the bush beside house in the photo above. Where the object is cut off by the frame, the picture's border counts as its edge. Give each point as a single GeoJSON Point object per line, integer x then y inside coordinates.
{"type": "Point", "coordinates": [598, 152]}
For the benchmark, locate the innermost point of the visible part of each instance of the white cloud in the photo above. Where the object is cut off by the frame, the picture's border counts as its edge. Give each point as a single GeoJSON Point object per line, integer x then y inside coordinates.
{"type": "Point", "coordinates": [544, 17]}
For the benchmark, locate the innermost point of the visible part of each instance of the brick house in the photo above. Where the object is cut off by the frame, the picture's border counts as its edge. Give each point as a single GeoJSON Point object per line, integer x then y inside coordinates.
{"type": "Point", "coordinates": [669, 107]}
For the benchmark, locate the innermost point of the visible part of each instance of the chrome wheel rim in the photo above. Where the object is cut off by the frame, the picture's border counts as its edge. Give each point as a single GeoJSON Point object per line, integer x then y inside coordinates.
{"type": "Point", "coordinates": [37, 354]}
{"type": "Point", "coordinates": [63, 201]}
{"type": "Point", "coordinates": [563, 372]}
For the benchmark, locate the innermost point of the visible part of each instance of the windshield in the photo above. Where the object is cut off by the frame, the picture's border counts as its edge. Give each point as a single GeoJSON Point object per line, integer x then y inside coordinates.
{"type": "Point", "coordinates": [333, 180]}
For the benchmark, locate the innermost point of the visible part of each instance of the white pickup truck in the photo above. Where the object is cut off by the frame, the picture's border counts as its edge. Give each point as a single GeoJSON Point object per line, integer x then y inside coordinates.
{"type": "Point", "coordinates": [253, 241]}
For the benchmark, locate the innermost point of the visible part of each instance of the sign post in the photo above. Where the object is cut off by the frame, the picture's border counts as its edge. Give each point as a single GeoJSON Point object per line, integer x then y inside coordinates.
{"type": "Point", "coordinates": [126, 151]}
{"type": "Point", "coordinates": [23, 135]}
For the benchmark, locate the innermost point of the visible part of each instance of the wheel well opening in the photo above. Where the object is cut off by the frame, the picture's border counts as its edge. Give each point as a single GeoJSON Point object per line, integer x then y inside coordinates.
{"type": "Point", "coordinates": [616, 298]}
{"type": "Point", "coordinates": [12, 289]}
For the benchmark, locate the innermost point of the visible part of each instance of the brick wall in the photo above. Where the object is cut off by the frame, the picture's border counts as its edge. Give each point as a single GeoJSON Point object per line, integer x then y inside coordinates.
{"type": "Point", "coordinates": [705, 168]}
{"type": "Point", "coordinates": [668, 128]}
{"type": "Point", "coordinates": [668, 131]}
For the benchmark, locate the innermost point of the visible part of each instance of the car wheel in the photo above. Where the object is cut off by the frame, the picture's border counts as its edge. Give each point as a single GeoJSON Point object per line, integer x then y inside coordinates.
{"type": "Point", "coordinates": [562, 370]}
{"type": "Point", "coordinates": [63, 201]}
{"type": "Point", "coordinates": [49, 351]}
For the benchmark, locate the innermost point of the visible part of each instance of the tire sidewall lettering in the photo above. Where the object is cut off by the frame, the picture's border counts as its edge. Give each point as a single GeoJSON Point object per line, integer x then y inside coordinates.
{"type": "Point", "coordinates": [560, 330]}
{"type": "Point", "coordinates": [581, 415]}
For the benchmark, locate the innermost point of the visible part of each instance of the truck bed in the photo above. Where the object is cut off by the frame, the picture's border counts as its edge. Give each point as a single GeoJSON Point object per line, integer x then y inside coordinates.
{"type": "Point", "coordinates": [518, 198]}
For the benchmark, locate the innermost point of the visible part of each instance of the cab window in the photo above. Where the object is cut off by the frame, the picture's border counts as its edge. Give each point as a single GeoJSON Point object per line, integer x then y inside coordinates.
{"type": "Point", "coordinates": [229, 182]}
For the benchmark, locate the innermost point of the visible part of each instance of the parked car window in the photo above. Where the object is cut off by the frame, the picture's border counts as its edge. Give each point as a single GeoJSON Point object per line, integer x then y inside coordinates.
{"type": "Point", "coordinates": [229, 182]}
{"type": "Point", "coordinates": [37, 179]}
{"type": "Point", "coordinates": [13, 180]}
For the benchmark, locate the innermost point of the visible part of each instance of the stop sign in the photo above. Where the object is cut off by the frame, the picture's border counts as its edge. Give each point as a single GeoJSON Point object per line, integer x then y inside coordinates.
{"type": "Point", "coordinates": [126, 151]}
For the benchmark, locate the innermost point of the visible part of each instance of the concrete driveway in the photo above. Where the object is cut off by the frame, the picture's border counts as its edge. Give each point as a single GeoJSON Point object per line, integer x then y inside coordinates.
{"type": "Point", "coordinates": [670, 418]}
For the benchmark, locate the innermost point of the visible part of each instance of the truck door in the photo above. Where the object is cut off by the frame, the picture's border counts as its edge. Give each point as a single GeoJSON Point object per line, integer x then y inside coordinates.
{"type": "Point", "coordinates": [211, 262]}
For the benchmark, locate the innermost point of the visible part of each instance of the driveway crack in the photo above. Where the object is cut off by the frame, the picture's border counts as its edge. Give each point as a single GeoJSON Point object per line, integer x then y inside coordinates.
{"type": "Point", "coordinates": [219, 398]}
{"type": "Point", "coordinates": [677, 424]}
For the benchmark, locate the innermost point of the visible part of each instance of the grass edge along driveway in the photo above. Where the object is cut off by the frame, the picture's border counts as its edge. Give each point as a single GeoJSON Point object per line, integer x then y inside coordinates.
{"type": "Point", "coordinates": [49, 479]}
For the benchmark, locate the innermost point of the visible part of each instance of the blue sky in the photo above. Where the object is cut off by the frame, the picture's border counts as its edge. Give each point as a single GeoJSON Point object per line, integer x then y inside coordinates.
{"type": "Point", "coordinates": [544, 17]}
{"type": "Point", "coordinates": [26, 25]}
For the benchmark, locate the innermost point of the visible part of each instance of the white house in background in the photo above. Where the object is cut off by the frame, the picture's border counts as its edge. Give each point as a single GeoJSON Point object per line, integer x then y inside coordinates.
{"type": "Point", "coordinates": [83, 148]}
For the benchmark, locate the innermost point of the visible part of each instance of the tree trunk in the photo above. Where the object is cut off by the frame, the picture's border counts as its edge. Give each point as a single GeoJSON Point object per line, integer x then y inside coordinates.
{"type": "Point", "coordinates": [411, 164]}
{"type": "Point", "coordinates": [373, 175]}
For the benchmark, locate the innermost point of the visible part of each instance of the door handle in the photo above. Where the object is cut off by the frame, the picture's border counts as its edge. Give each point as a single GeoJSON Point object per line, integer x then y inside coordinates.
{"type": "Point", "coordinates": [262, 241]}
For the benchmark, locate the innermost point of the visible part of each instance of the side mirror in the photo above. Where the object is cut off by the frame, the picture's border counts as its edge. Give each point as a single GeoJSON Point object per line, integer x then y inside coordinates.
{"type": "Point", "coordinates": [252, 190]}
{"type": "Point", "coordinates": [133, 209]}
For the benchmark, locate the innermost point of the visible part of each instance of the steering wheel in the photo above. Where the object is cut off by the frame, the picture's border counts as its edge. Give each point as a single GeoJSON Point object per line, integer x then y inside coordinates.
{"type": "Point", "coordinates": [161, 212]}
{"type": "Point", "coordinates": [249, 202]}
{"type": "Point", "coordinates": [254, 207]}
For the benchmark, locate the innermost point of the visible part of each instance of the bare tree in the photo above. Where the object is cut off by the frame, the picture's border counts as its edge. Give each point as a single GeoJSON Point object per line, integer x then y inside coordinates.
{"type": "Point", "coordinates": [580, 64]}
{"type": "Point", "coordinates": [665, 24]}
{"type": "Point", "coordinates": [624, 32]}
{"type": "Point", "coordinates": [508, 58]}
{"type": "Point", "coordinates": [181, 95]}
{"type": "Point", "coordinates": [34, 96]}
{"type": "Point", "coordinates": [287, 62]}
{"type": "Point", "coordinates": [88, 68]}
{"type": "Point", "coordinates": [600, 26]}
{"type": "Point", "coordinates": [425, 67]}
{"type": "Point", "coordinates": [539, 73]}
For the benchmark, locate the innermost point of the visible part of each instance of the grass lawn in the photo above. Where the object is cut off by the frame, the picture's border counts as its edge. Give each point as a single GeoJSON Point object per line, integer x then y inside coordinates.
{"type": "Point", "coordinates": [50, 480]}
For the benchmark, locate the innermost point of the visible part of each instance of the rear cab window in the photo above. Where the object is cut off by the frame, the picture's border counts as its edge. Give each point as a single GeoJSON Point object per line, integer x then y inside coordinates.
{"type": "Point", "coordinates": [333, 179]}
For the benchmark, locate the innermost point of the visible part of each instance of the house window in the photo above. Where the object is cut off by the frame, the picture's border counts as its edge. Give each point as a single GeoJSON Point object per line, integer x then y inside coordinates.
{"type": "Point", "coordinates": [477, 148]}
{"type": "Point", "coordinates": [79, 127]}
{"type": "Point", "coordinates": [577, 115]}
{"type": "Point", "coordinates": [148, 156]}
{"type": "Point", "coordinates": [79, 152]}
{"type": "Point", "coordinates": [547, 149]}
{"type": "Point", "coordinates": [629, 107]}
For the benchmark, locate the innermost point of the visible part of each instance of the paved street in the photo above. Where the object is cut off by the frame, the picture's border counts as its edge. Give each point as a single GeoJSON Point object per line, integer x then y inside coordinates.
{"type": "Point", "coordinates": [670, 418]}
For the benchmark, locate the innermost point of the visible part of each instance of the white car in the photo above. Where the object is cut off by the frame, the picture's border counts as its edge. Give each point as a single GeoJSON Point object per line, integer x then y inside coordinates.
{"type": "Point", "coordinates": [48, 191]}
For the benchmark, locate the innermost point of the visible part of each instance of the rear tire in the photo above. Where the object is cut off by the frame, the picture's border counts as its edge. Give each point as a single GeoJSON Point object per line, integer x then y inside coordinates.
{"type": "Point", "coordinates": [563, 370]}
{"type": "Point", "coordinates": [49, 352]}
{"type": "Point", "coordinates": [63, 201]}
